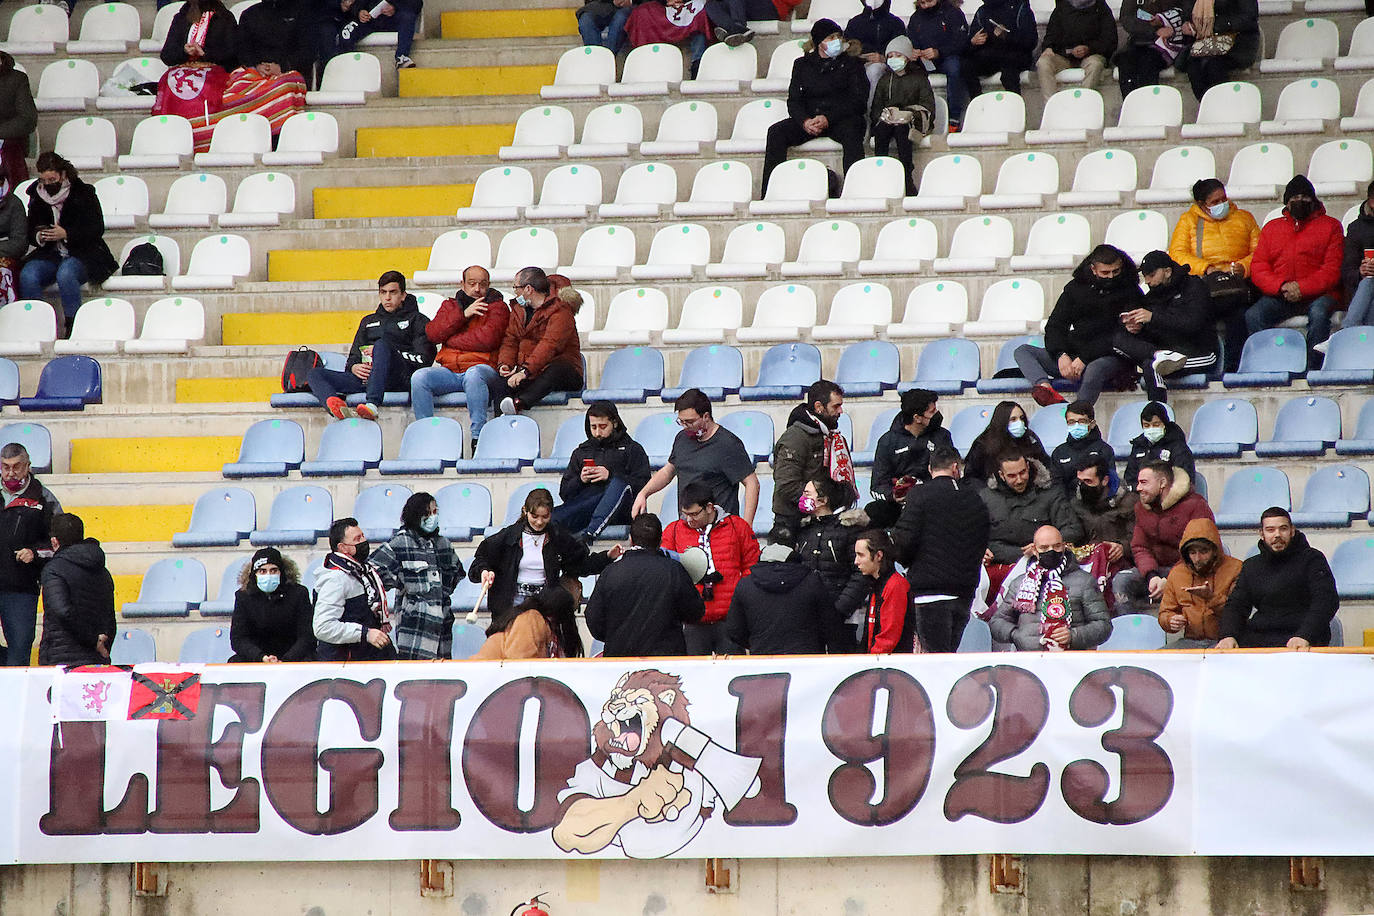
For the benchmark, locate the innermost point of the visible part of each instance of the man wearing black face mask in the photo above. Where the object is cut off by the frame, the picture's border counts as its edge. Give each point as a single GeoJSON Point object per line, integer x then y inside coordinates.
{"type": "Point", "coordinates": [1106, 510]}
{"type": "Point", "coordinates": [1297, 266]}
{"type": "Point", "coordinates": [902, 455]}
{"type": "Point", "coordinates": [350, 606]}
{"type": "Point", "coordinates": [1055, 605]}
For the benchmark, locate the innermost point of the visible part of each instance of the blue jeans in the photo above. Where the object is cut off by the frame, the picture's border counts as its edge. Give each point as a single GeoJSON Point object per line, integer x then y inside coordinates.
{"type": "Point", "coordinates": [1270, 311]}
{"type": "Point", "coordinates": [956, 90]}
{"type": "Point", "coordinates": [427, 384]}
{"type": "Point", "coordinates": [596, 506]}
{"type": "Point", "coordinates": [605, 33]}
{"type": "Point", "coordinates": [389, 373]}
{"type": "Point", "coordinates": [19, 617]}
{"type": "Point", "coordinates": [69, 274]}
{"type": "Point", "coordinates": [402, 22]}
{"type": "Point", "coordinates": [1358, 311]}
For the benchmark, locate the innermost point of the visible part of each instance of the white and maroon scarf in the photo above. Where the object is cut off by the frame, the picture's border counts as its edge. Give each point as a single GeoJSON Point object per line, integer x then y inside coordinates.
{"type": "Point", "coordinates": [838, 462]}
{"type": "Point", "coordinates": [1043, 590]}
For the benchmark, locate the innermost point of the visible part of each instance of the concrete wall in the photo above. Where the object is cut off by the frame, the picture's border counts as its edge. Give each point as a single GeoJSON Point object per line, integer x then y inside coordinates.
{"type": "Point", "coordinates": [1053, 886]}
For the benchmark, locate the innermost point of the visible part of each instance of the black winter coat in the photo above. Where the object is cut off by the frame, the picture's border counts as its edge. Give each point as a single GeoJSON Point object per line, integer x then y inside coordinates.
{"type": "Point", "coordinates": [622, 456]}
{"type": "Point", "coordinates": [640, 603]}
{"type": "Point", "coordinates": [274, 31]}
{"type": "Point", "coordinates": [221, 43]}
{"type": "Point", "coordinates": [1181, 315]}
{"type": "Point", "coordinates": [941, 537]}
{"type": "Point", "coordinates": [564, 555]}
{"type": "Point", "coordinates": [1069, 27]}
{"type": "Point", "coordinates": [826, 545]}
{"type": "Point", "coordinates": [899, 454]}
{"type": "Point", "coordinates": [875, 28]}
{"type": "Point", "coordinates": [836, 87]}
{"type": "Point", "coordinates": [272, 624]}
{"type": "Point", "coordinates": [24, 524]}
{"type": "Point", "coordinates": [78, 606]}
{"type": "Point", "coordinates": [1172, 450]}
{"type": "Point", "coordinates": [1066, 455]}
{"type": "Point", "coordinates": [1292, 593]}
{"type": "Point", "coordinates": [943, 27]}
{"type": "Point", "coordinates": [980, 463]}
{"type": "Point", "coordinates": [1088, 313]}
{"type": "Point", "coordinates": [784, 609]}
{"type": "Point", "coordinates": [1016, 516]}
{"type": "Point", "coordinates": [1359, 237]}
{"type": "Point", "coordinates": [85, 224]}
{"type": "Point", "coordinates": [404, 329]}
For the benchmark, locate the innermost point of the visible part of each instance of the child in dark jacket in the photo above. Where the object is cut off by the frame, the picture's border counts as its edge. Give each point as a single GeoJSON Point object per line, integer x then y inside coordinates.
{"type": "Point", "coordinates": [903, 108]}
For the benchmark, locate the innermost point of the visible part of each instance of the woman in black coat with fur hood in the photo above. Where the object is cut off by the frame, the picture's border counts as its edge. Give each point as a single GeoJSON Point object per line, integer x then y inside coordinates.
{"type": "Point", "coordinates": [272, 612]}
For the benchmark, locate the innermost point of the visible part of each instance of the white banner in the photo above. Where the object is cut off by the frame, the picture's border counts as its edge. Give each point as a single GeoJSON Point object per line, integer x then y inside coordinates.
{"type": "Point", "coordinates": [1074, 753]}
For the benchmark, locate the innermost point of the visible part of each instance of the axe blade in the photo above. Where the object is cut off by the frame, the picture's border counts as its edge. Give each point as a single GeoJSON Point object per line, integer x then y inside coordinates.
{"type": "Point", "coordinates": [732, 775]}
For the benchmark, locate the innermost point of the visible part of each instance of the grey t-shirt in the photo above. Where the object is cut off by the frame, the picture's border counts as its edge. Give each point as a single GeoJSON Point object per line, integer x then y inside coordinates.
{"type": "Point", "coordinates": [721, 459]}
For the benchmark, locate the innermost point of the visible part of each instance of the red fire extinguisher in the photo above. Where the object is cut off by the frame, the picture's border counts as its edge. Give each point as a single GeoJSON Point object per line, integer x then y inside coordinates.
{"type": "Point", "coordinates": [533, 908]}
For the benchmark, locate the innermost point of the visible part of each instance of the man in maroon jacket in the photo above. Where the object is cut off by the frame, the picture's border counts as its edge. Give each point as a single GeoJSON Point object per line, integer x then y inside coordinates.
{"type": "Point", "coordinates": [469, 329]}
{"type": "Point", "coordinates": [1160, 517]}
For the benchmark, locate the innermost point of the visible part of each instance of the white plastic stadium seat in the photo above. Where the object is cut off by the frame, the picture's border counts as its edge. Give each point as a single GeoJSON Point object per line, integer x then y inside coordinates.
{"type": "Point", "coordinates": [1362, 118]}
{"type": "Point", "coordinates": [38, 29]}
{"type": "Point", "coordinates": [794, 187]}
{"type": "Point", "coordinates": [149, 70]}
{"type": "Point", "coordinates": [1304, 45]}
{"type": "Point", "coordinates": [870, 186]}
{"type": "Point", "coordinates": [101, 325]}
{"type": "Point", "coordinates": [751, 127]}
{"type": "Point", "coordinates": [990, 120]}
{"type": "Point", "coordinates": [25, 326]}
{"type": "Point", "coordinates": [1226, 110]}
{"type": "Point", "coordinates": [162, 23]}
{"type": "Point", "coordinates": [1341, 168]}
{"type": "Point", "coordinates": [840, 11]}
{"type": "Point", "coordinates": [1259, 171]}
{"type": "Point", "coordinates": [1303, 105]}
{"type": "Point", "coordinates": [67, 85]}
{"type": "Point", "coordinates": [933, 309]}
{"type": "Point", "coordinates": [123, 200]}
{"type": "Point", "coordinates": [159, 142]}
{"type": "Point", "coordinates": [348, 79]}
{"type": "Point", "coordinates": [644, 190]}
{"type": "Point", "coordinates": [751, 250]}
{"type": "Point", "coordinates": [192, 201]}
{"type": "Point", "coordinates": [1175, 171]}
{"type": "Point", "coordinates": [676, 252]}
{"type": "Point", "coordinates": [540, 133]}
{"type": "Point", "coordinates": [723, 69]}
{"type": "Point", "coordinates": [500, 193]}
{"type": "Point", "coordinates": [1010, 307]}
{"type": "Point", "coordinates": [107, 28]}
{"type": "Point", "coordinates": [237, 141]}
{"type": "Point", "coordinates": [976, 245]}
{"type": "Point", "coordinates": [602, 253]}
{"type": "Point", "coordinates": [685, 129]}
{"type": "Point", "coordinates": [826, 247]}
{"type": "Point", "coordinates": [260, 200]}
{"type": "Point", "coordinates": [781, 314]}
{"type": "Point", "coordinates": [1101, 179]}
{"type": "Point", "coordinates": [170, 325]}
{"type": "Point", "coordinates": [946, 183]}
{"type": "Point", "coordinates": [1147, 113]}
{"type": "Point", "coordinates": [649, 70]}
{"type": "Point", "coordinates": [583, 73]}
{"type": "Point", "coordinates": [86, 142]}
{"type": "Point", "coordinates": [857, 312]}
{"type": "Point", "coordinates": [1068, 117]}
{"type": "Point", "coordinates": [609, 131]}
{"type": "Point", "coordinates": [171, 265]}
{"type": "Point", "coordinates": [1360, 55]}
{"type": "Point", "coordinates": [633, 316]}
{"type": "Point", "coordinates": [718, 189]}
{"type": "Point", "coordinates": [1025, 180]}
{"type": "Point", "coordinates": [568, 192]}
{"type": "Point", "coordinates": [1057, 241]}
{"type": "Point", "coordinates": [1138, 232]}
{"type": "Point", "coordinates": [215, 263]}
{"type": "Point", "coordinates": [902, 246]}
{"type": "Point", "coordinates": [521, 248]}
{"type": "Point", "coordinates": [779, 76]}
{"type": "Point", "coordinates": [451, 254]}
{"type": "Point", "coordinates": [706, 314]}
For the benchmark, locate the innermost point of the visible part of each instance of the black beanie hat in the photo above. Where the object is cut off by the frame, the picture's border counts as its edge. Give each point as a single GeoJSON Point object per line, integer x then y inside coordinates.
{"type": "Point", "coordinates": [1299, 185]}
{"type": "Point", "coordinates": [822, 29]}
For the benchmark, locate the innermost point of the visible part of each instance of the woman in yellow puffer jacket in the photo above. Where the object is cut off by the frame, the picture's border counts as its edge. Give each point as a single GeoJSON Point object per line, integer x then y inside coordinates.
{"type": "Point", "coordinates": [1214, 236]}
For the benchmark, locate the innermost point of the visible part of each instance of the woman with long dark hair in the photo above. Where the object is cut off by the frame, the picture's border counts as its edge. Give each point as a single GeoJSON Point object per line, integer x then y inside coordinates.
{"type": "Point", "coordinates": [420, 564]}
{"type": "Point", "coordinates": [272, 612]}
{"type": "Point", "coordinates": [1007, 431]}
{"type": "Point", "coordinates": [541, 626]}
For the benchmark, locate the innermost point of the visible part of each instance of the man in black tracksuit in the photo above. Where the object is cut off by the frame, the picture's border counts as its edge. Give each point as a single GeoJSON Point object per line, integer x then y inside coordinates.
{"type": "Point", "coordinates": [783, 608]}
{"type": "Point", "coordinates": [828, 97]}
{"type": "Point", "coordinates": [642, 600]}
{"type": "Point", "coordinates": [78, 599]}
{"type": "Point", "coordinates": [603, 475]}
{"type": "Point", "coordinates": [1173, 329]}
{"type": "Point", "coordinates": [904, 450]}
{"type": "Point", "coordinates": [1284, 596]}
{"type": "Point", "coordinates": [941, 538]}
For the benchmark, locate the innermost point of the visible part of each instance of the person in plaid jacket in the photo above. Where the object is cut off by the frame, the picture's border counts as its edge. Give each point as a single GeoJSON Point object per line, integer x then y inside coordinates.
{"type": "Point", "coordinates": [421, 565]}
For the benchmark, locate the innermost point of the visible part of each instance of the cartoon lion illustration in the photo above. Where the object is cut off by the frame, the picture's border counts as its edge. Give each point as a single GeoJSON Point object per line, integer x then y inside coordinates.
{"type": "Point", "coordinates": [652, 779]}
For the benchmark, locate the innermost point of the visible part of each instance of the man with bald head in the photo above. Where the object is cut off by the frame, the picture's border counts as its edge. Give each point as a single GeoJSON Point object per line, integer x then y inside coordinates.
{"type": "Point", "coordinates": [469, 329]}
{"type": "Point", "coordinates": [1054, 605]}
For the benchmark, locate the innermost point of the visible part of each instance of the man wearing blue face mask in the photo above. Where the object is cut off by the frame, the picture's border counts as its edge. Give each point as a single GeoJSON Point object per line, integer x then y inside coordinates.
{"type": "Point", "coordinates": [1084, 442]}
{"type": "Point", "coordinates": [1161, 439]}
{"type": "Point", "coordinates": [828, 97]}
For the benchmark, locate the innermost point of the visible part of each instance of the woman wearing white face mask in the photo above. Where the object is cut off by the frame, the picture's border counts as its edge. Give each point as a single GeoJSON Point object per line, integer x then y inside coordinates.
{"type": "Point", "coordinates": [420, 564]}
{"type": "Point", "coordinates": [1216, 240]}
{"type": "Point", "coordinates": [272, 612]}
{"type": "Point", "coordinates": [903, 108]}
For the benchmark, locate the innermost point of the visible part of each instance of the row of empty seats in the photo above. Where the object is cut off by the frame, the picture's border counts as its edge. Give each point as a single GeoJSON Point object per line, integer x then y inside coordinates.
{"type": "Point", "coordinates": [165, 141]}
{"type": "Point", "coordinates": [103, 326]}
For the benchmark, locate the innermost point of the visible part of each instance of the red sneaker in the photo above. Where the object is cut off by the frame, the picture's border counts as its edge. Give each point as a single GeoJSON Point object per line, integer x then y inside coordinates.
{"type": "Point", "coordinates": [1045, 395]}
{"type": "Point", "coordinates": [337, 407]}
{"type": "Point", "coordinates": [367, 411]}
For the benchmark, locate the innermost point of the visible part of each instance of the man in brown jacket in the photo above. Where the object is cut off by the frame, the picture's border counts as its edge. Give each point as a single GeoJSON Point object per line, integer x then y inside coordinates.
{"type": "Point", "coordinates": [1160, 520]}
{"type": "Point", "coordinates": [541, 352]}
{"type": "Point", "coordinates": [469, 329]}
{"type": "Point", "coordinates": [1197, 588]}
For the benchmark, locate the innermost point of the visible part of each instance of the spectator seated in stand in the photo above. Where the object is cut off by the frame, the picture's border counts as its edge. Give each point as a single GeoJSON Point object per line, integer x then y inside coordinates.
{"type": "Point", "coordinates": [1284, 596]}
{"type": "Point", "coordinates": [1083, 446]}
{"type": "Point", "coordinates": [541, 353]}
{"type": "Point", "coordinates": [1080, 33]}
{"type": "Point", "coordinates": [398, 16]}
{"type": "Point", "coordinates": [874, 29]}
{"type": "Point", "coordinates": [1162, 440]}
{"type": "Point", "coordinates": [274, 59]}
{"type": "Point", "coordinates": [1357, 267]}
{"type": "Point", "coordinates": [938, 31]}
{"type": "Point", "coordinates": [902, 110]}
{"type": "Point", "coordinates": [730, 18]}
{"type": "Point", "coordinates": [272, 613]}
{"type": "Point", "coordinates": [1054, 605]}
{"type": "Point", "coordinates": [1002, 39]}
{"type": "Point", "coordinates": [1173, 330]}
{"type": "Point", "coordinates": [1226, 38]}
{"type": "Point", "coordinates": [1107, 511]}
{"type": "Point", "coordinates": [1023, 497]}
{"type": "Point", "coordinates": [1006, 432]}
{"type": "Point", "coordinates": [601, 23]}
{"type": "Point", "coordinates": [685, 23]}
{"type": "Point", "coordinates": [1154, 40]}
{"type": "Point", "coordinates": [14, 235]}
{"type": "Point", "coordinates": [603, 475]}
{"type": "Point", "coordinates": [1161, 516]}
{"type": "Point", "coordinates": [1198, 587]}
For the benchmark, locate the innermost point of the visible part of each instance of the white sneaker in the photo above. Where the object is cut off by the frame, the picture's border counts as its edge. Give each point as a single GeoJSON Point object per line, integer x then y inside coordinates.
{"type": "Point", "coordinates": [1321, 347]}
{"type": "Point", "coordinates": [507, 406]}
{"type": "Point", "coordinates": [403, 62]}
{"type": "Point", "coordinates": [1167, 362]}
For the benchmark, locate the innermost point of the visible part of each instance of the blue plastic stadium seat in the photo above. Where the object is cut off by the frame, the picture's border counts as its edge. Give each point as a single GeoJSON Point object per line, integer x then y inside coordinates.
{"type": "Point", "coordinates": [947, 366]}
{"type": "Point", "coordinates": [389, 399]}
{"type": "Point", "coordinates": [755, 430]}
{"type": "Point", "coordinates": [763, 516]}
{"type": "Point", "coordinates": [378, 510]}
{"type": "Point", "coordinates": [1353, 565]}
{"type": "Point", "coordinates": [1271, 357]}
{"type": "Point", "coordinates": [1125, 426]}
{"type": "Point", "coordinates": [464, 510]}
{"type": "Point", "coordinates": [222, 605]}
{"type": "Point", "coordinates": [300, 515]}
{"type": "Point", "coordinates": [505, 446]}
{"type": "Point", "coordinates": [717, 370]}
{"type": "Point", "coordinates": [572, 432]}
{"type": "Point", "coordinates": [207, 646]}
{"type": "Point", "coordinates": [656, 433]}
{"type": "Point", "coordinates": [1305, 427]}
{"type": "Point", "coordinates": [785, 370]}
{"type": "Point", "coordinates": [220, 518]}
{"type": "Point", "coordinates": [270, 448]}
{"type": "Point", "coordinates": [427, 447]}
{"type": "Point", "coordinates": [1362, 443]}
{"type": "Point", "coordinates": [1135, 631]}
{"type": "Point", "coordinates": [1223, 428]}
{"type": "Point", "coordinates": [1334, 496]}
{"type": "Point", "coordinates": [1249, 491]}
{"type": "Point", "coordinates": [1200, 484]}
{"type": "Point", "coordinates": [977, 637]}
{"type": "Point", "coordinates": [35, 438]}
{"type": "Point", "coordinates": [467, 639]}
{"type": "Point", "coordinates": [965, 425]}
{"type": "Point", "coordinates": [133, 646]}
{"type": "Point", "coordinates": [312, 568]}
{"type": "Point", "coordinates": [630, 375]}
{"type": "Point", "coordinates": [331, 360]}
{"type": "Point", "coordinates": [347, 448]}
{"type": "Point", "coordinates": [881, 424]}
{"type": "Point", "coordinates": [1049, 424]}
{"type": "Point", "coordinates": [9, 381]}
{"type": "Point", "coordinates": [1337, 633]}
{"type": "Point", "coordinates": [66, 383]}
{"type": "Point", "coordinates": [1006, 377]}
{"type": "Point", "coordinates": [1349, 358]}
{"type": "Point", "coordinates": [171, 588]}
{"type": "Point", "coordinates": [868, 368]}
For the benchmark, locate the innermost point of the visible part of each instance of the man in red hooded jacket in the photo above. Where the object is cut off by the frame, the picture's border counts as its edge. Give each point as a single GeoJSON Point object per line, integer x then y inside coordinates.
{"type": "Point", "coordinates": [733, 550]}
{"type": "Point", "coordinates": [1297, 266]}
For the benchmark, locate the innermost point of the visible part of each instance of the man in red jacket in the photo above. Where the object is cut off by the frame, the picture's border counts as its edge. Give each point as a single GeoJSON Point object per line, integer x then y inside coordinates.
{"type": "Point", "coordinates": [1160, 517]}
{"type": "Point", "coordinates": [1297, 266]}
{"type": "Point", "coordinates": [730, 544]}
{"type": "Point", "coordinates": [469, 329]}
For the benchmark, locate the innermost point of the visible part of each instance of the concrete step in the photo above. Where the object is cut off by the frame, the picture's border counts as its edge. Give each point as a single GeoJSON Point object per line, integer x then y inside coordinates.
{"type": "Point", "coordinates": [410, 142]}
{"type": "Point", "coordinates": [439, 200]}
{"type": "Point", "coordinates": [503, 24]}
{"type": "Point", "coordinates": [437, 82]}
